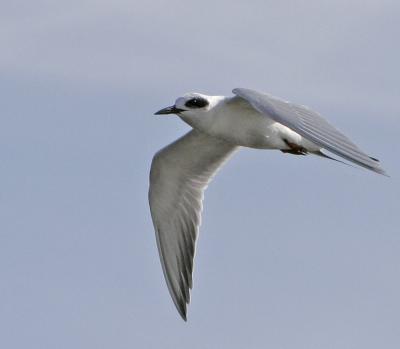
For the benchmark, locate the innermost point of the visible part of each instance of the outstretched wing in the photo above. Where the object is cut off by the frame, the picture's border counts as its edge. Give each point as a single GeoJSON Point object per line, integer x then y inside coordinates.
{"type": "Point", "coordinates": [179, 175]}
{"type": "Point", "coordinates": [310, 125]}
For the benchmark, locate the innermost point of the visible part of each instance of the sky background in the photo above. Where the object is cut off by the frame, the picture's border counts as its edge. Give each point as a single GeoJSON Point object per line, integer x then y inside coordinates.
{"type": "Point", "coordinates": [294, 252]}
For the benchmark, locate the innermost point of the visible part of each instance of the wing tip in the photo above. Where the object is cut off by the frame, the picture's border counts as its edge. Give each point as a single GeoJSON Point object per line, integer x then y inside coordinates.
{"type": "Point", "coordinates": [377, 169]}
{"type": "Point", "coordinates": [380, 171]}
{"type": "Point", "coordinates": [182, 310]}
{"type": "Point", "coordinates": [184, 317]}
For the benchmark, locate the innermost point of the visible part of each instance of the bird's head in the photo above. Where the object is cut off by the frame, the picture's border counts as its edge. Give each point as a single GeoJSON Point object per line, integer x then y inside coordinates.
{"type": "Point", "coordinates": [191, 104]}
{"type": "Point", "coordinates": [196, 109]}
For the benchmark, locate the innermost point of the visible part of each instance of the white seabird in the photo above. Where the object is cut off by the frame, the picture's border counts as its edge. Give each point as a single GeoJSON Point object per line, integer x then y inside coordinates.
{"type": "Point", "coordinates": [181, 171]}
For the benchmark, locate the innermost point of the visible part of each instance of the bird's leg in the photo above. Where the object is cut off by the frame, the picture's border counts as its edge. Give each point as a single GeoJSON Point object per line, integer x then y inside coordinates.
{"type": "Point", "coordinates": [295, 149]}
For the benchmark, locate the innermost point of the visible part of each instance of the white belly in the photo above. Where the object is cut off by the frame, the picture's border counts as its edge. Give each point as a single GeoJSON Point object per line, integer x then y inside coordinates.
{"type": "Point", "coordinates": [244, 126]}
{"type": "Point", "coordinates": [255, 130]}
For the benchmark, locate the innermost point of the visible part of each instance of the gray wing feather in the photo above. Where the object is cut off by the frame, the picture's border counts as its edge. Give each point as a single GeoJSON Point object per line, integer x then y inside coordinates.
{"type": "Point", "coordinates": [179, 175]}
{"type": "Point", "coordinates": [310, 125]}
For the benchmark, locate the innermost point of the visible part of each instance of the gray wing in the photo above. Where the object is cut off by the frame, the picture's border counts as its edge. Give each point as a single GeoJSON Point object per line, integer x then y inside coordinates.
{"type": "Point", "coordinates": [179, 175]}
{"type": "Point", "coordinates": [310, 125]}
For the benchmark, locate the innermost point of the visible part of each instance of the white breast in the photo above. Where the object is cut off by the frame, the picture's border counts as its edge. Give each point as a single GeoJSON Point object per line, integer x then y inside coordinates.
{"type": "Point", "coordinates": [236, 121]}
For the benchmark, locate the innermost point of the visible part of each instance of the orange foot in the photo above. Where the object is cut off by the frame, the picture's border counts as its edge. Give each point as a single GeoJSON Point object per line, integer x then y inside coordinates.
{"type": "Point", "coordinates": [294, 148]}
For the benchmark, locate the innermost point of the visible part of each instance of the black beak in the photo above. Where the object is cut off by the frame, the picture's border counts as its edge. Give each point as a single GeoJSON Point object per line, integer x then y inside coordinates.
{"type": "Point", "coordinates": [169, 110]}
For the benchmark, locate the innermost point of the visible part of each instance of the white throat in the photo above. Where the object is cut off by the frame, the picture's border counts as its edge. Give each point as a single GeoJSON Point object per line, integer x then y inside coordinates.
{"type": "Point", "coordinates": [205, 119]}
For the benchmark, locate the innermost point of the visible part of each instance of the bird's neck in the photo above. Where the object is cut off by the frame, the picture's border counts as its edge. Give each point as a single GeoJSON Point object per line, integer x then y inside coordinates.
{"type": "Point", "coordinates": [206, 121]}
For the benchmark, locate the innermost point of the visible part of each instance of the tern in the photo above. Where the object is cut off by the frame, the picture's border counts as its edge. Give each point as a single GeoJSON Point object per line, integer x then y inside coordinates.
{"type": "Point", "coordinates": [181, 171]}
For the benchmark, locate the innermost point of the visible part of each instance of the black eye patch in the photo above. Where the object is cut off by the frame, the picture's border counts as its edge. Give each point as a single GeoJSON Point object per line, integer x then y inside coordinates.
{"type": "Point", "coordinates": [196, 102]}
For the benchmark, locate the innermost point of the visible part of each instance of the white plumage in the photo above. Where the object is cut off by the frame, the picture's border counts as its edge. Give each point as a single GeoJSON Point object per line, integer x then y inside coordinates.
{"type": "Point", "coordinates": [181, 171]}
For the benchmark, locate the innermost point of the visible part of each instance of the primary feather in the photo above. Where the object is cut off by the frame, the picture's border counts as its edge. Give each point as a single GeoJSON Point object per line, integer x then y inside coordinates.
{"type": "Point", "coordinates": [179, 175]}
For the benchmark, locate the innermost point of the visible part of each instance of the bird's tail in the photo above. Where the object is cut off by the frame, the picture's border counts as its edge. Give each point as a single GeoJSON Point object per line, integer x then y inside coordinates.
{"type": "Point", "coordinates": [323, 155]}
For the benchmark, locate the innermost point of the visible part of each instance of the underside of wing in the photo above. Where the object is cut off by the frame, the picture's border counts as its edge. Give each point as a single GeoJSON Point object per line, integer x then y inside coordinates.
{"type": "Point", "coordinates": [179, 175]}
{"type": "Point", "coordinates": [310, 125]}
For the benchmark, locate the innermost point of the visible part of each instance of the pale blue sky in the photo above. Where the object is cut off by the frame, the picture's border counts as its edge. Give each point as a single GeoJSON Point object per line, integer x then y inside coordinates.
{"type": "Point", "coordinates": [294, 252]}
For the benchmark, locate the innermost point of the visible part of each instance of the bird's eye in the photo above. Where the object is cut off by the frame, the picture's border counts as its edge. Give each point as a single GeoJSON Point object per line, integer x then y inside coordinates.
{"type": "Point", "coordinates": [197, 102]}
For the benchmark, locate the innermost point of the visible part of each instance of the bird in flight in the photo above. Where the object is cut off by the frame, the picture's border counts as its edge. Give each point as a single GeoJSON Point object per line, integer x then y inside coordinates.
{"type": "Point", "coordinates": [181, 171]}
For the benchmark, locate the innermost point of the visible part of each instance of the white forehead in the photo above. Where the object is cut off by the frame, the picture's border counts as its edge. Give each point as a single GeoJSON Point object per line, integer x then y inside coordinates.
{"type": "Point", "coordinates": [213, 101]}
{"type": "Point", "coordinates": [187, 96]}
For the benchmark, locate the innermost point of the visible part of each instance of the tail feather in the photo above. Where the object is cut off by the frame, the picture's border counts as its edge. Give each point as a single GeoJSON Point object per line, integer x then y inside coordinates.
{"type": "Point", "coordinates": [323, 155]}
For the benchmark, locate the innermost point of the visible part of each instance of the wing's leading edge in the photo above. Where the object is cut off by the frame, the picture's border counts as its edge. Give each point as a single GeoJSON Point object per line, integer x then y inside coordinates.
{"type": "Point", "coordinates": [310, 125]}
